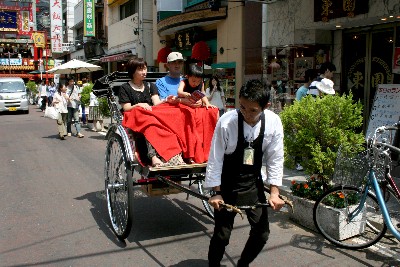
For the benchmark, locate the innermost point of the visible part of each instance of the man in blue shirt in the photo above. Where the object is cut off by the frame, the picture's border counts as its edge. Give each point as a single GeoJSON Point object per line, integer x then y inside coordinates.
{"type": "Point", "coordinates": [302, 91]}
{"type": "Point", "coordinates": [168, 85]}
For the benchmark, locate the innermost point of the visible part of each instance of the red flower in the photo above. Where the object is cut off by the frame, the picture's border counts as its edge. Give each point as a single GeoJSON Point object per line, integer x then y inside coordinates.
{"type": "Point", "coordinates": [293, 182]}
{"type": "Point", "coordinates": [305, 186]}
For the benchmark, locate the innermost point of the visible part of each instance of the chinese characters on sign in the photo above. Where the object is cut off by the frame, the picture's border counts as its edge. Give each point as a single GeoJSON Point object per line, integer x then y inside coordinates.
{"type": "Point", "coordinates": [325, 10]}
{"type": "Point", "coordinates": [24, 25]}
{"type": "Point", "coordinates": [88, 19]}
{"type": "Point", "coordinates": [38, 39]}
{"type": "Point", "coordinates": [8, 21]}
{"type": "Point", "coordinates": [56, 26]}
{"type": "Point", "coordinates": [386, 108]}
{"type": "Point", "coordinates": [184, 40]}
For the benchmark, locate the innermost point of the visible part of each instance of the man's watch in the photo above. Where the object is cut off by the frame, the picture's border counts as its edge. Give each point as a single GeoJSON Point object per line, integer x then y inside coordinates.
{"type": "Point", "coordinates": [216, 193]}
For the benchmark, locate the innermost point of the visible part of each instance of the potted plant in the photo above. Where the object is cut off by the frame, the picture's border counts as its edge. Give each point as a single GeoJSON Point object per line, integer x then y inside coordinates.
{"type": "Point", "coordinates": [85, 98]}
{"type": "Point", "coordinates": [314, 129]}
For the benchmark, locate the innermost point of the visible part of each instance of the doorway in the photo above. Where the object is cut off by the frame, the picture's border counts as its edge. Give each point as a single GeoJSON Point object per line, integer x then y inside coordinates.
{"type": "Point", "coordinates": [367, 62]}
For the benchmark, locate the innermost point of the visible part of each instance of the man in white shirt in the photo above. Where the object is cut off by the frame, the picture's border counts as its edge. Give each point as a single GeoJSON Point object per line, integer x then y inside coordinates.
{"type": "Point", "coordinates": [243, 141]}
{"type": "Point", "coordinates": [326, 71]}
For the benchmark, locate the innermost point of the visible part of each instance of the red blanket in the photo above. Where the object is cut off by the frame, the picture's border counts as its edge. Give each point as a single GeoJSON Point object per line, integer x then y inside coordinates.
{"type": "Point", "coordinates": [172, 129]}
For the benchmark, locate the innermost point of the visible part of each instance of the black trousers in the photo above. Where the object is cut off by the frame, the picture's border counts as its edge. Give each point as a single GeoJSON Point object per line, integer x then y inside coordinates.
{"type": "Point", "coordinates": [258, 219]}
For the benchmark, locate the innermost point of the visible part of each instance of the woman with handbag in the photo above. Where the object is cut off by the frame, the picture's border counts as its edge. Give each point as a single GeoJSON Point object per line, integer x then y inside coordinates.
{"type": "Point", "coordinates": [60, 103]}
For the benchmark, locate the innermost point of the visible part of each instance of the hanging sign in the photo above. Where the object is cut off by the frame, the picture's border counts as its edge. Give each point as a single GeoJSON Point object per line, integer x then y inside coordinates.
{"type": "Point", "coordinates": [88, 18]}
{"type": "Point", "coordinates": [24, 25]}
{"type": "Point", "coordinates": [56, 26]}
{"type": "Point", "coordinates": [38, 39]}
{"type": "Point", "coordinates": [325, 10]}
{"type": "Point", "coordinates": [184, 40]}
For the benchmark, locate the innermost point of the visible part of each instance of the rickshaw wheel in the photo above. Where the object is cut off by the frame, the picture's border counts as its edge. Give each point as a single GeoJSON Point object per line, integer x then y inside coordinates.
{"type": "Point", "coordinates": [207, 193]}
{"type": "Point", "coordinates": [119, 187]}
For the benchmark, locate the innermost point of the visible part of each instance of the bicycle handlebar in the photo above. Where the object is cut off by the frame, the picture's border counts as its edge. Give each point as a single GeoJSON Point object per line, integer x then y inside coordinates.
{"type": "Point", "coordinates": [389, 146]}
{"type": "Point", "coordinates": [393, 127]}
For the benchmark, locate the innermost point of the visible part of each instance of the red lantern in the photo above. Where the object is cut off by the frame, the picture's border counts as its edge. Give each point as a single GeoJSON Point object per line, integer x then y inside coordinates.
{"type": "Point", "coordinates": [201, 51]}
{"type": "Point", "coordinates": [163, 54]}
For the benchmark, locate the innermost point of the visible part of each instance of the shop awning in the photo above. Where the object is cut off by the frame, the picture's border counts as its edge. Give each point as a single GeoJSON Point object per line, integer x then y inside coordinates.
{"type": "Point", "coordinates": [25, 75]}
{"type": "Point", "coordinates": [163, 54]}
{"type": "Point", "coordinates": [201, 51]}
{"type": "Point", "coordinates": [116, 57]}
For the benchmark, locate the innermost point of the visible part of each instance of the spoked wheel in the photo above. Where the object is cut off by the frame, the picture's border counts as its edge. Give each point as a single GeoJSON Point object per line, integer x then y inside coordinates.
{"type": "Point", "coordinates": [393, 206]}
{"type": "Point", "coordinates": [205, 192]}
{"type": "Point", "coordinates": [336, 218]}
{"type": "Point", "coordinates": [119, 187]}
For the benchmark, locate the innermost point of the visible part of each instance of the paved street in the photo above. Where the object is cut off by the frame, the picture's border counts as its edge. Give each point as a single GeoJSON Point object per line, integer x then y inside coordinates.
{"type": "Point", "coordinates": [53, 213]}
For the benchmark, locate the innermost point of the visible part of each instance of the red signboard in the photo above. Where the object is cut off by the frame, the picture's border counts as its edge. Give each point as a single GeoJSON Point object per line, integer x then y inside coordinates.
{"type": "Point", "coordinates": [117, 57]}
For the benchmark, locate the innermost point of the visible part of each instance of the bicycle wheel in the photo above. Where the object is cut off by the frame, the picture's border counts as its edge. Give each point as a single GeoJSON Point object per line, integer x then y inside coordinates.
{"type": "Point", "coordinates": [119, 187]}
{"type": "Point", "coordinates": [336, 218]}
{"type": "Point", "coordinates": [393, 205]}
{"type": "Point", "coordinates": [206, 192]}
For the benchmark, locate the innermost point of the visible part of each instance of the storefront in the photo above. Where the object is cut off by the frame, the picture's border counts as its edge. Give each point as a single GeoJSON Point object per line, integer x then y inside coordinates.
{"type": "Point", "coordinates": [368, 60]}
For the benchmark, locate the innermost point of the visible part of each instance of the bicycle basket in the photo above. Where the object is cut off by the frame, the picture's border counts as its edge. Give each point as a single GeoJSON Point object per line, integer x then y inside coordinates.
{"type": "Point", "coordinates": [351, 167]}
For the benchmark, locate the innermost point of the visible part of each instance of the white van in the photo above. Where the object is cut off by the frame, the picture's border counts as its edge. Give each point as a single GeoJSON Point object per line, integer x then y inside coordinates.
{"type": "Point", "coordinates": [13, 95]}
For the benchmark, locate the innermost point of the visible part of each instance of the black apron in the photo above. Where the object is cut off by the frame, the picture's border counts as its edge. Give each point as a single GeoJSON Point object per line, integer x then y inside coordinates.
{"type": "Point", "coordinates": [242, 184]}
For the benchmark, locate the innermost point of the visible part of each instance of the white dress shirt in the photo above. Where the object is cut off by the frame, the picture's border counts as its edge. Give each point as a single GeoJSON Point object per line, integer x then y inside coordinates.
{"type": "Point", "coordinates": [225, 140]}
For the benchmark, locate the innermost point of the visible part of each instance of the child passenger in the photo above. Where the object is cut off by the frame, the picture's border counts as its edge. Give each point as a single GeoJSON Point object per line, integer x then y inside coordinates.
{"type": "Point", "coordinates": [193, 82]}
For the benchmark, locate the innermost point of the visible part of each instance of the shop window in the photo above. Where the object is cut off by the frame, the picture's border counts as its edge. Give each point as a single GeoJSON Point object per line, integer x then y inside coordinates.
{"type": "Point", "coordinates": [128, 9]}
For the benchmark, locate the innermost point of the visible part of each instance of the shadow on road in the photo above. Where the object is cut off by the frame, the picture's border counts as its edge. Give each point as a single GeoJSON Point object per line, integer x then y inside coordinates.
{"type": "Point", "coordinates": [192, 263]}
{"type": "Point", "coordinates": [100, 214]}
{"type": "Point", "coordinates": [159, 217]}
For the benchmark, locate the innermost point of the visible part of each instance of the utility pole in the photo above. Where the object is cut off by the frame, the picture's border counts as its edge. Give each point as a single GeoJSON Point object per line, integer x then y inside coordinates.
{"type": "Point", "coordinates": [9, 61]}
{"type": "Point", "coordinates": [34, 15]}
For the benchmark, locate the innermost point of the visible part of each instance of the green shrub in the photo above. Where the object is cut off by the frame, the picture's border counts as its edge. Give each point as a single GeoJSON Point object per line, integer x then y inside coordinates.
{"type": "Point", "coordinates": [103, 105]}
{"type": "Point", "coordinates": [31, 85]}
{"type": "Point", "coordinates": [104, 109]}
{"type": "Point", "coordinates": [85, 95]}
{"type": "Point", "coordinates": [314, 128]}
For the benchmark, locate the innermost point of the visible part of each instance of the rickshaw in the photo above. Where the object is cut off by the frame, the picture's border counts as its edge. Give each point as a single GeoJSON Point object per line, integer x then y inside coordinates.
{"type": "Point", "coordinates": [125, 170]}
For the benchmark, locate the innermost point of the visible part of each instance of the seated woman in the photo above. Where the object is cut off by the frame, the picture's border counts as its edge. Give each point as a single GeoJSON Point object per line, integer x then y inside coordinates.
{"type": "Point", "coordinates": [137, 93]}
{"type": "Point", "coordinates": [171, 130]}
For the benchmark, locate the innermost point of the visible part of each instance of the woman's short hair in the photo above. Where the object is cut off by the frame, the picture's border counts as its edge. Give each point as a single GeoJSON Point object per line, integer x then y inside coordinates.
{"type": "Point", "coordinates": [256, 91]}
{"type": "Point", "coordinates": [134, 64]}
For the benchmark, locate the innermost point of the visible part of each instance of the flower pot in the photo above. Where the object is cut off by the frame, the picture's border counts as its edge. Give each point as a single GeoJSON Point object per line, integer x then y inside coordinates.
{"type": "Point", "coordinates": [303, 212]}
{"type": "Point", "coordinates": [334, 219]}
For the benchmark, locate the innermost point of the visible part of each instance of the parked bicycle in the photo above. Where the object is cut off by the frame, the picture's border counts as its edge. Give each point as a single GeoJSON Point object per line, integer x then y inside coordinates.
{"type": "Point", "coordinates": [357, 213]}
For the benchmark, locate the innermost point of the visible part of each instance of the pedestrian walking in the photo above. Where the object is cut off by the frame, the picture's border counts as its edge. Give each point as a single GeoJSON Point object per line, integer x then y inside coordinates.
{"type": "Point", "coordinates": [51, 90]}
{"type": "Point", "coordinates": [60, 103]}
{"type": "Point", "coordinates": [74, 100]}
{"type": "Point", "coordinates": [43, 95]}
{"type": "Point", "coordinates": [243, 141]}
